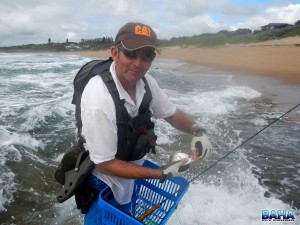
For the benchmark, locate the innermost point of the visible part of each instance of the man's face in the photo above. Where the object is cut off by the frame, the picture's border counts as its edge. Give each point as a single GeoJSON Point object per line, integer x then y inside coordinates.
{"type": "Point", "coordinates": [130, 70]}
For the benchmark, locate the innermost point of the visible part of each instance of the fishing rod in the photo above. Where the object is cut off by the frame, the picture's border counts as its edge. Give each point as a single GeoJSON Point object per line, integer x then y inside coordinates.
{"type": "Point", "coordinates": [153, 208]}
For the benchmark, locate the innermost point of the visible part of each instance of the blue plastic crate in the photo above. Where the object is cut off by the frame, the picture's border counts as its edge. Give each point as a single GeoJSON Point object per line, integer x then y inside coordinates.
{"type": "Point", "coordinates": [148, 192]}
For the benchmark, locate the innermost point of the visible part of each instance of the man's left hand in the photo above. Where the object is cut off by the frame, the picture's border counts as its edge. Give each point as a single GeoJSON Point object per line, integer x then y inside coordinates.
{"type": "Point", "coordinates": [200, 145]}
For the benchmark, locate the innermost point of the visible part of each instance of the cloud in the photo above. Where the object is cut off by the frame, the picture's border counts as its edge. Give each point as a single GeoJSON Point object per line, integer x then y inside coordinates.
{"type": "Point", "coordinates": [280, 14]}
{"type": "Point", "coordinates": [34, 21]}
{"type": "Point", "coordinates": [287, 14]}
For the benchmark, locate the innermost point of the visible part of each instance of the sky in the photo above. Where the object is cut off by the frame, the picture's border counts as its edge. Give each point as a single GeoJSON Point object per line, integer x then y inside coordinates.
{"type": "Point", "coordinates": [34, 21]}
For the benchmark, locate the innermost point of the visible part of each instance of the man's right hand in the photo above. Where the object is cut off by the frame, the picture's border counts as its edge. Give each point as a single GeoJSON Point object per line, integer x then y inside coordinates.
{"type": "Point", "coordinates": [173, 169]}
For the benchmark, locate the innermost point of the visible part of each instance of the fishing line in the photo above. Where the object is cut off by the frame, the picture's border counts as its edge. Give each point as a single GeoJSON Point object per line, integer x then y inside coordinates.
{"type": "Point", "coordinates": [152, 209]}
{"type": "Point", "coordinates": [193, 209]}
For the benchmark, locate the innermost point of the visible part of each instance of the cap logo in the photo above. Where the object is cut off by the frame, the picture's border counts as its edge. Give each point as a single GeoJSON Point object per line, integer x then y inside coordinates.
{"type": "Point", "coordinates": [142, 30]}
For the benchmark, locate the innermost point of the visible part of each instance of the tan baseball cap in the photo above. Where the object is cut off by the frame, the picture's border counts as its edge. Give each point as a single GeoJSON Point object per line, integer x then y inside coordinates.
{"type": "Point", "coordinates": [136, 35]}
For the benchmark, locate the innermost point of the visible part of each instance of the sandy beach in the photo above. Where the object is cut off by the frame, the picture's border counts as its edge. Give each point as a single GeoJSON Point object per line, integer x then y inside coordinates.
{"type": "Point", "coordinates": [275, 58]}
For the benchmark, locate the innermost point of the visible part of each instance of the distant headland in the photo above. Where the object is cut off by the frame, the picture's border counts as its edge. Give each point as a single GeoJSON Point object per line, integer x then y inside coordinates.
{"type": "Point", "coordinates": [271, 31]}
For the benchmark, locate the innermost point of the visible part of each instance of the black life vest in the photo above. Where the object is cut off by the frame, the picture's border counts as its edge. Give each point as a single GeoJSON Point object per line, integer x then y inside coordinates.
{"type": "Point", "coordinates": [136, 135]}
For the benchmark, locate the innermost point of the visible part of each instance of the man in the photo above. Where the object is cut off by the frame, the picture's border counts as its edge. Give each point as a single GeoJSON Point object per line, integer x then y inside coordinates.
{"type": "Point", "coordinates": [132, 55]}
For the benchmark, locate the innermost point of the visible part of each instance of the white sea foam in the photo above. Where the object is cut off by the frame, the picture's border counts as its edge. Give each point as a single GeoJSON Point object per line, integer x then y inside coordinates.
{"type": "Point", "coordinates": [164, 132]}
{"type": "Point", "coordinates": [213, 102]}
{"type": "Point", "coordinates": [30, 63]}
{"type": "Point", "coordinates": [211, 204]}
{"type": "Point", "coordinates": [8, 186]}
{"type": "Point", "coordinates": [8, 183]}
{"type": "Point", "coordinates": [9, 139]}
{"type": "Point", "coordinates": [232, 196]}
{"type": "Point", "coordinates": [259, 122]}
{"type": "Point", "coordinates": [66, 212]}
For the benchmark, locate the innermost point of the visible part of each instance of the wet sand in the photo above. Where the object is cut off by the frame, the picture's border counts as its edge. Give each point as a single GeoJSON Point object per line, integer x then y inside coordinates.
{"type": "Point", "coordinates": [277, 58]}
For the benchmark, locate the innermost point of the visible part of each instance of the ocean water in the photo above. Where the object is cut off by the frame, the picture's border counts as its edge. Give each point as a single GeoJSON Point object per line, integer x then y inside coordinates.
{"type": "Point", "coordinates": [37, 125]}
